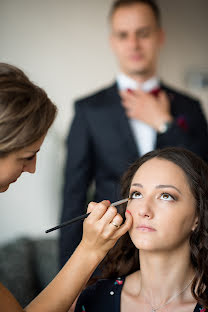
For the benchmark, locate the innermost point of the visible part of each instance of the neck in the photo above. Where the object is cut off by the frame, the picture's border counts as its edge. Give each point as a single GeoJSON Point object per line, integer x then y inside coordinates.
{"type": "Point", "coordinates": [141, 77]}
{"type": "Point", "coordinates": [164, 269]}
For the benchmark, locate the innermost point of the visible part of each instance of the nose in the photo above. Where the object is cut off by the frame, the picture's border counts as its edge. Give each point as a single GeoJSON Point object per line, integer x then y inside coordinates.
{"type": "Point", "coordinates": [30, 166]}
{"type": "Point", "coordinates": [145, 209]}
{"type": "Point", "coordinates": [133, 41]}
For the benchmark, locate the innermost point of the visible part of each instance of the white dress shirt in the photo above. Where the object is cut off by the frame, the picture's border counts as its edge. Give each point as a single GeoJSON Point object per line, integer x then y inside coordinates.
{"type": "Point", "coordinates": [145, 136]}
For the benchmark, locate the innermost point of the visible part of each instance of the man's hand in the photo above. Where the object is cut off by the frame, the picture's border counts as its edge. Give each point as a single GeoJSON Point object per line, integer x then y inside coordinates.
{"type": "Point", "coordinates": [143, 106]}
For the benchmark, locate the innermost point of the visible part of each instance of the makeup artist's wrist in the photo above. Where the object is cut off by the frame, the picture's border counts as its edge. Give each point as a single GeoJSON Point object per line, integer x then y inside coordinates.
{"type": "Point", "coordinates": [94, 255]}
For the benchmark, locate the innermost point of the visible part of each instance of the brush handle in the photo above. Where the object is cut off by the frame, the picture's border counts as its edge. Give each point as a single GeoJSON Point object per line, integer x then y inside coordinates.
{"type": "Point", "coordinates": [68, 222]}
{"type": "Point", "coordinates": [117, 203]}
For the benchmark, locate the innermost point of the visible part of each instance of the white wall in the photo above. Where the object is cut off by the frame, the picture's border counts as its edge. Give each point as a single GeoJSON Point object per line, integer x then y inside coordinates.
{"type": "Point", "coordinates": [63, 46]}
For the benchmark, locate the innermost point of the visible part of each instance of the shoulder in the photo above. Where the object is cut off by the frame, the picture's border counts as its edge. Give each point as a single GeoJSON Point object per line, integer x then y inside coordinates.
{"type": "Point", "coordinates": [7, 301]}
{"type": "Point", "coordinates": [199, 308]}
{"type": "Point", "coordinates": [99, 95]}
{"type": "Point", "coordinates": [132, 284]}
{"type": "Point", "coordinates": [101, 294]}
{"type": "Point", "coordinates": [180, 94]}
{"type": "Point", "coordinates": [103, 287]}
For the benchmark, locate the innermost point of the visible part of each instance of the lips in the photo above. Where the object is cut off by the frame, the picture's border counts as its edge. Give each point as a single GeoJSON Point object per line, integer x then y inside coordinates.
{"type": "Point", "coordinates": [136, 56]}
{"type": "Point", "coordinates": [15, 179]}
{"type": "Point", "coordinates": [145, 228]}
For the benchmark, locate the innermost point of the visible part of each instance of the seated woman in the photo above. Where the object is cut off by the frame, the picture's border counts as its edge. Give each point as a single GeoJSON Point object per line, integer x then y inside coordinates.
{"type": "Point", "coordinates": [161, 264]}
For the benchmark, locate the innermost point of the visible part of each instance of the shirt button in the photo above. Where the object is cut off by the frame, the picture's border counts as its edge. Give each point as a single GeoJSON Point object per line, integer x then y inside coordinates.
{"type": "Point", "coordinates": [111, 293]}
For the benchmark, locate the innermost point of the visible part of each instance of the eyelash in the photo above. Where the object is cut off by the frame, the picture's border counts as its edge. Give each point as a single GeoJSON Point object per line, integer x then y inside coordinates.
{"type": "Point", "coordinates": [30, 158]}
{"type": "Point", "coordinates": [133, 193]}
{"type": "Point", "coordinates": [172, 197]}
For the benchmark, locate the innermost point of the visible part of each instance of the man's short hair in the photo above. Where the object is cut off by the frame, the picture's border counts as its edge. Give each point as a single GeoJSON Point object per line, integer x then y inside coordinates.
{"type": "Point", "coordinates": [151, 3]}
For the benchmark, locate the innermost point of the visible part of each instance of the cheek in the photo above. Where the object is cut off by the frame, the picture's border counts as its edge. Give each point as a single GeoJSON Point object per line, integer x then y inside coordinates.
{"type": "Point", "coordinates": [172, 226]}
{"type": "Point", "coordinates": [132, 206]}
{"type": "Point", "coordinates": [183, 225]}
{"type": "Point", "coordinates": [152, 48]}
{"type": "Point", "coordinates": [175, 229]}
{"type": "Point", "coordinates": [13, 172]}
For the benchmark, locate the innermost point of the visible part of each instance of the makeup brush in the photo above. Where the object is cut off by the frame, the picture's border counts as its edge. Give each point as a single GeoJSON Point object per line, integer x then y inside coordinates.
{"type": "Point", "coordinates": [117, 203]}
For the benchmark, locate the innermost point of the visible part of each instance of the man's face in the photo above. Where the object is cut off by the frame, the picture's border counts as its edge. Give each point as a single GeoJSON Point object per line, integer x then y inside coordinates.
{"type": "Point", "coordinates": [136, 39]}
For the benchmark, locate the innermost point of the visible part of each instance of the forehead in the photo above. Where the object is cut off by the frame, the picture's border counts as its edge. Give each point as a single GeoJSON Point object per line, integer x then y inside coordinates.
{"type": "Point", "coordinates": [161, 171]}
{"type": "Point", "coordinates": [34, 147]}
{"type": "Point", "coordinates": [139, 15]}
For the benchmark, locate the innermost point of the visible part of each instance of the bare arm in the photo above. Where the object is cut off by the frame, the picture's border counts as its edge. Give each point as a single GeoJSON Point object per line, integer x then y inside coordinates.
{"type": "Point", "coordinates": [99, 236]}
{"type": "Point", "coordinates": [7, 301]}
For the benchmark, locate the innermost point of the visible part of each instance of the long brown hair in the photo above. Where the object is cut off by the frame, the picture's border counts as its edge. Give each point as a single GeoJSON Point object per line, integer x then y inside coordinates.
{"type": "Point", "coordinates": [123, 259]}
{"type": "Point", "coordinates": [26, 112]}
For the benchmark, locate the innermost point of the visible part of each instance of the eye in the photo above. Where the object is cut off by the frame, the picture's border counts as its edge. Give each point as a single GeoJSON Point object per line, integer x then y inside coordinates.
{"type": "Point", "coordinates": [144, 34]}
{"type": "Point", "coordinates": [31, 157]}
{"type": "Point", "coordinates": [167, 197]}
{"type": "Point", "coordinates": [122, 35]}
{"type": "Point", "coordinates": [136, 195]}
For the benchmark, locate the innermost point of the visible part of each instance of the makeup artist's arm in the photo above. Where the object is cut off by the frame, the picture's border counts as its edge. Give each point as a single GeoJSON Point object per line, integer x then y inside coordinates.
{"type": "Point", "coordinates": [99, 236]}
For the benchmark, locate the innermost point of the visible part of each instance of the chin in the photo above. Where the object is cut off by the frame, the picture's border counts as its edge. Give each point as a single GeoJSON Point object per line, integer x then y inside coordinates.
{"type": "Point", "coordinates": [3, 188]}
{"type": "Point", "coordinates": [136, 71]}
{"type": "Point", "coordinates": [144, 244]}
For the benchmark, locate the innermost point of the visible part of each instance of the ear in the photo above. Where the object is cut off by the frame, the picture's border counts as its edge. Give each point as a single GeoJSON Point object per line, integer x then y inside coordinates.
{"type": "Point", "coordinates": [111, 41]}
{"type": "Point", "coordinates": [195, 224]}
{"type": "Point", "coordinates": [162, 37]}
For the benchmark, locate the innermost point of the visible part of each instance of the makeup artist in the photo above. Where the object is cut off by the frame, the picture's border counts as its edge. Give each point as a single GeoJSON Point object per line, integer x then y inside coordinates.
{"type": "Point", "coordinates": [161, 264]}
{"type": "Point", "coordinates": [118, 124]}
{"type": "Point", "coordinates": [26, 113]}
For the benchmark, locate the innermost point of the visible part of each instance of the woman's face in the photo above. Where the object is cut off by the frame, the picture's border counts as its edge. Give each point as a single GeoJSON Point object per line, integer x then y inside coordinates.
{"type": "Point", "coordinates": [162, 206]}
{"type": "Point", "coordinates": [13, 165]}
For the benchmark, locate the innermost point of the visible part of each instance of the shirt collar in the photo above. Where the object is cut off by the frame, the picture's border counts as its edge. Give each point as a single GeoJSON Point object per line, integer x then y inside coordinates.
{"type": "Point", "coordinates": [125, 82]}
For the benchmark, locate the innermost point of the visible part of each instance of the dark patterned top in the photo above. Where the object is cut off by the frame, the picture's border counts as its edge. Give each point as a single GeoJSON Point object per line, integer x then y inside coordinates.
{"type": "Point", "coordinates": [105, 295]}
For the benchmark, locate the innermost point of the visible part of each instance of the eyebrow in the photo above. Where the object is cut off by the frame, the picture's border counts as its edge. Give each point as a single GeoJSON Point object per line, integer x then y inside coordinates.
{"type": "Point", "coordinates": [142, 28]}
{"type": "Point", "coordinates": [159, 186]}
{"type": "Point", "coordinates": [33, 152]}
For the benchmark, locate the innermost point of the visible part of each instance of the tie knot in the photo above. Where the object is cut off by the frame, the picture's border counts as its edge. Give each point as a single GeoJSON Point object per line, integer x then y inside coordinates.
{"type": "Point", "coordinates": [155, 91]}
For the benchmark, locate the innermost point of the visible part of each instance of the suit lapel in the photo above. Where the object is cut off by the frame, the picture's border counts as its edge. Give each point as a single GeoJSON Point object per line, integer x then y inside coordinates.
{"type": "Point", "coordinates": [171, 97]}
{"type": "Point", "coordinates": [121, 122]}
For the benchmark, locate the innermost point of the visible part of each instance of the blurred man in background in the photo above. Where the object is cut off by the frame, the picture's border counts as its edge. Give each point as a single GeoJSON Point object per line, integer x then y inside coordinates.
{"type": "Point", "coordinates": [118, 124]}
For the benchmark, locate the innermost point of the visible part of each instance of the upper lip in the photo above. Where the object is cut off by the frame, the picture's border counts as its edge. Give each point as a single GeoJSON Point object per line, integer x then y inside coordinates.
{"type": "Point", "coordinates": [145, 226]}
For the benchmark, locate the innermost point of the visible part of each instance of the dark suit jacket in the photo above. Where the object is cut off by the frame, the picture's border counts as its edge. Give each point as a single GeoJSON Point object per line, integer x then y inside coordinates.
{"type": "Point", "coordinates": [101, 146]}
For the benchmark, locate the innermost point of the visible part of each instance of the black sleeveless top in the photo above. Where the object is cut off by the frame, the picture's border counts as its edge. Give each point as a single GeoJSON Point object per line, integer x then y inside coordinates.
{"type": "Point", "coordinates": [105, 296]}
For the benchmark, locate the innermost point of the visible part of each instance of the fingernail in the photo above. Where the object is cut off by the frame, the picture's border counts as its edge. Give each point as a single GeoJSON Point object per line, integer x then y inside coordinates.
{"type": "Point", "coordinates": [109, 201]}
{"type": "Point", "coordinates": [128, 212]}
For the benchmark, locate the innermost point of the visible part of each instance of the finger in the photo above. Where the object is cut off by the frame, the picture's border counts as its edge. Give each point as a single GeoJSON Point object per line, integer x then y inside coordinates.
{"type": "Point", "coordinates": [108, 216]}
{"type": "Point", "coordinates": [130, 113]}
{"type": "Point", "coordinates": [127, 95]}
{"type": "Point", "coordinates": [97, 210]}
{"type": "Point", "coordinates": [162, 96]}
{"type": "Point", "coordinates": [127, 104]}
{"type": "Point", "coordinates": [124, 227]}
{"type": "Point", "coordinates": [91, 206]}
{"type": "Point", "coordinates": [116, 222]}
{"type": "Point", "coordinates": [139, 92]}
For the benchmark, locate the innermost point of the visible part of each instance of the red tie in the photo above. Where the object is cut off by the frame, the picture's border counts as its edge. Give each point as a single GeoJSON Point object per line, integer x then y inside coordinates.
{"type": "Point", "coordinates": [154, 92]}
